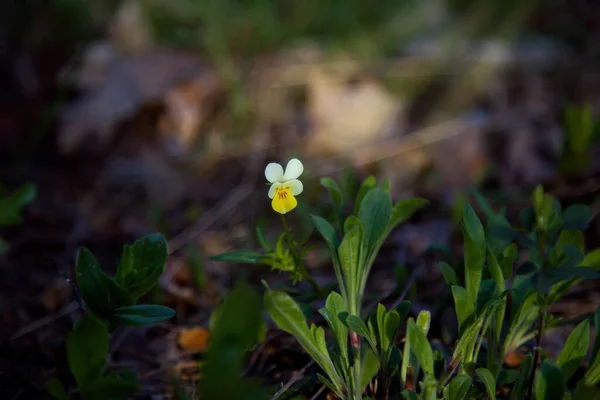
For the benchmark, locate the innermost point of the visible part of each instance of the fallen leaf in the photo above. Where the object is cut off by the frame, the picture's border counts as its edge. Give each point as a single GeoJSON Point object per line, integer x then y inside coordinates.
{"type": "Point", "coordinates": [122, 84]}
{"type": "Point", "coordinates": [194, 339]}
{"type": "Point", "coordinates": [55, 295]}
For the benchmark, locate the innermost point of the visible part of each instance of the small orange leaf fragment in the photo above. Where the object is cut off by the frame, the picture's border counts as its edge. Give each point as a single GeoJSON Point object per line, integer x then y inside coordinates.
{"type": "Point", "coordinates": [194, 339]}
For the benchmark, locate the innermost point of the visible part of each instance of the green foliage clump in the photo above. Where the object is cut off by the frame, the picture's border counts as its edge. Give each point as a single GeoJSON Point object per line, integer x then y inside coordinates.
{"type": "Point", "coordinates": [110, 302]}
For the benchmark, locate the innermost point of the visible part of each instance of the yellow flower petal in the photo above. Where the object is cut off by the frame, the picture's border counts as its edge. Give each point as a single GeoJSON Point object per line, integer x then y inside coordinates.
{"type": "Point", "coordinates": [284, 201]}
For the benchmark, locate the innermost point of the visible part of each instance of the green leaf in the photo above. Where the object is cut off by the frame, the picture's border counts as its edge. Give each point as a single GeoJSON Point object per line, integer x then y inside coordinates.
{"type": "Point", "coordinates": [473, 227]}
{"type": "Point", "coordinates": [391, 324]}
{"type": "Point", "coordinates": [374, 215]}
{"type": "Point", "coordinates": [475, 250]}
{"type": "Point", "coordinates": [575, 349]}
{"type": "Point", "coordinates": [327, 231]}
{"type": "Point", "coordinates": [576, 217]}
{"type": "Point", "coordinates": [550, 382]}
{"type": "Point", "coordinates": [410, 395]}
{"type": "Point", "coordinates": [142, 264]}
{"type": "Point", "coordinates": [117, 385]}
{"type": "Point", "coordinates": [403, 309]}
{"type": "Point", "coordinates": [464, 306]}
{"type": "Point", "coordinates": [488, 380]}
{"type": "Point", "coordinates": [365, 188]}
{"type": "Point", "coordinates": [520, 388]}
{"type": "Point", "coordinates": [143, 314]}
{"type": "Point", "coordinates": [288, 317]}
{"type": "Point", "coordinates": [56, 389]}
{"type": "Point", "coordinates": [10, 206]}
{"type": "Point", "coordinates": [87, 349]}
{"type": "Point", "coordinates": [334, 306]}
{"type": "Point", "coordinates": [449, 274]}
{"type": "Point", "coordinates": [264, 243]}
{"type": "Point", "coordinates": [101, 293]}
{"type": "Point", "coordinates": [359, 327]}
{"type": "Point", "coordinates": [592, 259]}
{"type": "Point", "coordinates": [369, 366]}
{"type": "Point", "coordinates": [458, 388]}
{"type": "Point", "coordinates": [236, 328]}
{"type": "Point", "coordinates": [240, 257]}
{"type": "Point", "coordinates": [349, 256]}
{"type": "Point", "coordinates": [404, 209]}
{"type": "Point", "coordinates": [420, 346]}
{"type": "Point", "coordinates": [334, 192]}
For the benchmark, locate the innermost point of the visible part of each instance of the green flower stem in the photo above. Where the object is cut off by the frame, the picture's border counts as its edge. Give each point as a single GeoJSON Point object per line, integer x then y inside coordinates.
{"type": "Point", "coordinates": [297, 258]}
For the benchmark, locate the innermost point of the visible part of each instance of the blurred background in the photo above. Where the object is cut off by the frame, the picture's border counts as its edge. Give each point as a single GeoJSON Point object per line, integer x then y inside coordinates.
{"type": "Point", "coordinates": [124, 117]}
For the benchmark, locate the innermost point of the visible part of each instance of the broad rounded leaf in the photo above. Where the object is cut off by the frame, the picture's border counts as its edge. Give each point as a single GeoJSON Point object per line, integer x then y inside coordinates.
{"type": "Point", "coordinates": [101, 292]}
{"type": "Point", "coordinates": [550, 382]}
{"type": "Point", "coordinates": [87, 348]}
{"type": "Point", "coordinates": [575, 349]}
{"type": "Point", "coordinates": [488, 380]}
{"type": "Point", "coordinates": [142, 264]}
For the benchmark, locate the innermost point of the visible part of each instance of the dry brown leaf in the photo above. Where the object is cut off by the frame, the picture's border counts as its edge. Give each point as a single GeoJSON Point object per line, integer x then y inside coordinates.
{"type": "Point", "coordinates": [55, 295]}
{"type": "Point", "coordinates": [348, 111]}
{"type": "Point", "coordinates": [194, 339]}
{"type": "Point", "coordinates": [129, 82]}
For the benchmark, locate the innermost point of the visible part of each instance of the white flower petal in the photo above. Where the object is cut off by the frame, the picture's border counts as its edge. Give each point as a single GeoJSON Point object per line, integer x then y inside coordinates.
{"type": "Point", "coordinates": [274, 172]}
{"type": "Point", "coordinates": [295, 186]}
{"type": "Point", "coordinates": [273, 189]}
{"type": "Point", "coordinates": [293, 169]}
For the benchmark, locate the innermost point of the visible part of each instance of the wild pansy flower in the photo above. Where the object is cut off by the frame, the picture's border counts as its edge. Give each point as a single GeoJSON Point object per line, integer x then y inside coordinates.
{"type": "Point", "coordinates": [284, 185]}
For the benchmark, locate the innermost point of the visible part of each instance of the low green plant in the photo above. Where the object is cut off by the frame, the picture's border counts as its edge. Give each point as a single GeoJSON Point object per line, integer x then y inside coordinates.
{"type": "Point", "coordinates": [110, 302]}
{"type": "Point", "coordinates": [510, 276]}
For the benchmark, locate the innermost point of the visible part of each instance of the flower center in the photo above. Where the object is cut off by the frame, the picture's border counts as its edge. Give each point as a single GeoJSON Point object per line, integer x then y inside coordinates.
{"type": "Point", "coordinates": [283, 193]}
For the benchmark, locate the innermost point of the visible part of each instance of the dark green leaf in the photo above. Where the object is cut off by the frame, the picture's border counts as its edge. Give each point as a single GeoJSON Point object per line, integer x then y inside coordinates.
{"type": "Point", "coordinates": [550, 382]}
{"type": "Point", "coordinates": [464, 306]}
{"type": "Point", "coordinates": [592, 259]}
{"type": "Point", "coordinates": [527, 219]}
{"type": "Point", "coordinates": [473, 227]}
{"type": "Point", "coordinates": [458, 388]}
{"type": "Point", "coordinates": [10, 206]}
{"type": "Point", "coordinates": [487, 292]}
{"type": "Point", "coordinates": [449, 274]}
{"type": "Point", "coordinates": [403, 309]}
{"type": "Point", "coordinates": [87, 349]}
{"type": "Point", "coordinates": [365, 188]}
{"type": "Point", "coordinates": [56, 389]}
{"type": "Point", "coordinates": [575, 349]}
{"type": "Point", "coordinates": [374, 215]}
{"type": "Point", "coordinates": [520, 388]}
{"type": "Point", "coordinates": [410, 395]}
{"type": "Point", "coordinates": [334, 191]}
{"type": "Point", "coordinates": [369, 365]}
{"type": "Point", "coordinates": [288, 317]}
{"type": "Point", "coordinates": [143, 314]}
{"type": "Point", "coordinates": [576, 217]}
{"type": "Point", "coordinates": [404, 209]}
{"type": "Point", "coordinates": [101, 293]}
{"type": "Point", "coordinates": [488, 380]}
{"type": "Point", "coordinates": [334, 306]}
{"type": "Point", "coordinates": [349, 256]}
{"type": "Point", "coordinates": [327, 231]}
{"type": "Point", "coordinates": [236, 328]}
{"type": "Point", "coordinates": [527, 268]}
{"type": "Point", "coordinates": [420, 346]}
{"type": "Point", "coordinates": [264, 243]}
{"type": "Point", "coordinates": [474, 261]}
{"type": "Point", "coordinates": [240, 257]}
{"type": "Point", "coordinates": [117, 385]}
{"type": "Point", "coordinates": [142, 264]}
